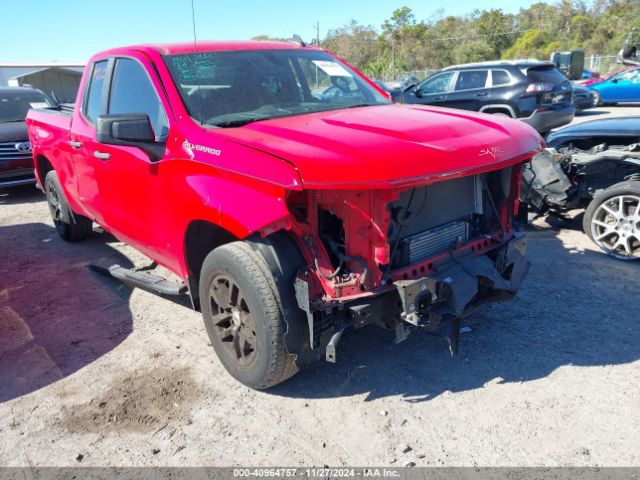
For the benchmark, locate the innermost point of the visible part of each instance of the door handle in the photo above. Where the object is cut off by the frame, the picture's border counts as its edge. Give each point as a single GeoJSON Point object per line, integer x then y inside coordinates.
{"type": "Point", "coordinates": [101, 155]}
{"type": "Point", "coordinates": [439, 97]}
{"type": "Point", "coordinates": [481, 94]}
{"type": "Point", "coordinates": [75, 144]}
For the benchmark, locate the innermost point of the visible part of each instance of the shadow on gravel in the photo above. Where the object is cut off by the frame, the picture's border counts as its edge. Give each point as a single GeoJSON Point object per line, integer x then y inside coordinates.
{"type": "Point", "coordinates": [21, 195]}
{"type": "Point", "coordinates": [575, 308]}
{"type": "Point", "coordinates": [56, 316]}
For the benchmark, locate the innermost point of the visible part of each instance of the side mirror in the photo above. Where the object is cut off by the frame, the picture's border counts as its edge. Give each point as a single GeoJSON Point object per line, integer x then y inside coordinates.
{"type": "Point", "coordinates": [614, 80]}
{"type": "Point", "coordinates": [130, 130]}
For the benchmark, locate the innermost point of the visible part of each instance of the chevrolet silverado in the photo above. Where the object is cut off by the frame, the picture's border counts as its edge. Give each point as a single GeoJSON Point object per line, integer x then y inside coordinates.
{"type": "Point", "coordinates": [290, 210]}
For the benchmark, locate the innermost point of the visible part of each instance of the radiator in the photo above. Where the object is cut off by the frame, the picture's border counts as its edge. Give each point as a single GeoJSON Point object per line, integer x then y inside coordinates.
{"type": "Point", "coordinates": [431, 219]}
{"type": "Point", "coordinates": [427, 244]}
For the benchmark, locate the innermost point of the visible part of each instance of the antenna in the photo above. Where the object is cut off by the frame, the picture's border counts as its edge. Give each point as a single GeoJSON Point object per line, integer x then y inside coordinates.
{"type": "Point", "coordinates": [297, 39]}
{"type": "Point", "coordinates": [195, 61]}
{"type": "Point", "coordinates": [193, 23]}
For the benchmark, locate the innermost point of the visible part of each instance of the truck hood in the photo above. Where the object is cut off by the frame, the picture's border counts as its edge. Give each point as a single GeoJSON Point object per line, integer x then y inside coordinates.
{"type": "Point", "coordinates": [389, 144]}
{"type": "Point", "coordinates": [13, 132]}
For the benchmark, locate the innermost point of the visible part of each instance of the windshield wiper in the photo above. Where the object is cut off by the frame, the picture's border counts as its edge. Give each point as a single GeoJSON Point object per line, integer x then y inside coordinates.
{"type": "Point", "coordinates": [237, 123]}
{"type": "Point", "coordinates": [362, 105]}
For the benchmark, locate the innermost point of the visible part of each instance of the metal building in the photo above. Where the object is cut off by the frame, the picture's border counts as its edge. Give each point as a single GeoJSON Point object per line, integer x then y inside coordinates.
{"type": "Point", "coordinates": [62, 79]}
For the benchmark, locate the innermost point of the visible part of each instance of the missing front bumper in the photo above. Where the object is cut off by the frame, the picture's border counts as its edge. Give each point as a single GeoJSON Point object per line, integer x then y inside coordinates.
{"type": "Point", "coordinates": [457, 291]}
{"type": "Point", "coordinates": [429, 302]}
{"type": "Point", "coordinates": [465, 284]}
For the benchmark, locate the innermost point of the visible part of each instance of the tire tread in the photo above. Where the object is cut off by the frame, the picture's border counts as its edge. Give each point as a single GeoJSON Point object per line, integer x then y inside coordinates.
{"type": "Point", "coordinates": [281, 364]}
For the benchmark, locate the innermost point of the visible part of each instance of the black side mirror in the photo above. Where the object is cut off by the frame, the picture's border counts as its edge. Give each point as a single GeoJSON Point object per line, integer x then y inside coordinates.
{"type": "Point", "coordinates": [614, 80]}
{"type": "Point", "coordinates": [130, 130]}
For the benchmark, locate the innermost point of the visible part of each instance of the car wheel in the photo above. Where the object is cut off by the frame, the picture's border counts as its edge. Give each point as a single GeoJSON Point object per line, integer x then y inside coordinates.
{"type": "Point", "coordinates": [243, 316]}
{"type": "Point", "coordinates": [597, 99]}
{"type": "Point", "coordinates": [71, 226]}
{"type": "Point", "coordinates": [612, 220]}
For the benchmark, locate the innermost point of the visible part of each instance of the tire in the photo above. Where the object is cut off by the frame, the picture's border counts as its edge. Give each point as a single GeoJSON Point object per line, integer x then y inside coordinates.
{"type": "Point", "coordinates": [71, 226]}
{"type": "Point", "coordinates": [243, 316]}
{"type": "Point", "coordinates": [597, 98]}
{"type": "Point", "coordinates": [612, 220]}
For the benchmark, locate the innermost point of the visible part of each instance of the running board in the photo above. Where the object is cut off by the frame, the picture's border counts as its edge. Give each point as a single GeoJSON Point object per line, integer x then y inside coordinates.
{"type": "Point", "coordinates": [142, 279]}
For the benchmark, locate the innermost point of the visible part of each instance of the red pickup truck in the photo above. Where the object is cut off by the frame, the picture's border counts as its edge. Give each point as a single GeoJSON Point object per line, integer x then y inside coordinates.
{"type": "Point", "coordinates": [289, 194]}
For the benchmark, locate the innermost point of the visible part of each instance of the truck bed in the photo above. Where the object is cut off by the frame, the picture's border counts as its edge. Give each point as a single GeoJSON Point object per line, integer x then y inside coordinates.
{"type": "Point", "coordinates": [49, 129]}
{"type": "Point", "coordinates": [59, 116]}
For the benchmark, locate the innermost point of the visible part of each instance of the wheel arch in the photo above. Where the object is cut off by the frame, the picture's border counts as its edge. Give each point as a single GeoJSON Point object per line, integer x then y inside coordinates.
{"type": "Point", "coordinates": [499, 108]}
{"type": "Point", "coordinates": [42, 166]}
{"type": "Point", "coordinates": [200, 238]}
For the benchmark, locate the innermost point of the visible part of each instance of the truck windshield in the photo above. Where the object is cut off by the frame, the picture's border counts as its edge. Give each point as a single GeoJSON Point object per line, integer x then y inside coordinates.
{"type": "Point", "coordinates": [230, 89]}
{"type": "Point", "coordinates": [15, 105]}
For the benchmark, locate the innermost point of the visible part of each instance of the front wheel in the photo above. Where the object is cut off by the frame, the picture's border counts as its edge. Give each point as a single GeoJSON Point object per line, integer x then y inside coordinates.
{"type": "Point", "coordinates": [243, 317]}
{"type": "Point", "coordinates": [612, 220]}
{"type": "Point", "coordinates": [71, 226]}
{"type": "Point", "coordinates": [597, 98]}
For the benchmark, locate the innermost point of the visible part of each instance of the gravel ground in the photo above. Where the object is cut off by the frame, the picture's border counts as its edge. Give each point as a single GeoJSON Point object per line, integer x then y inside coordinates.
{"type": "Point", "coordinates": [93, 373]}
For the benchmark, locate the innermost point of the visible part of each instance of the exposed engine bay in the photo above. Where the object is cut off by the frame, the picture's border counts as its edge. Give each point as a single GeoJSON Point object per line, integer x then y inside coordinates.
{"type": "Point", "coordinates": [595, 171]}
{"type": "Point", "coordinates": [559, 180]}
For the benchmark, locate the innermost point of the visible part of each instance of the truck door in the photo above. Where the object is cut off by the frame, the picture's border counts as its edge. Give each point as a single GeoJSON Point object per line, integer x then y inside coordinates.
{"type": "Point", "coordinates": [129, 182]}
{"type": "Point", "coordinates": [82, 137]}
{"type": "Point", "coordinates": [471, 90]}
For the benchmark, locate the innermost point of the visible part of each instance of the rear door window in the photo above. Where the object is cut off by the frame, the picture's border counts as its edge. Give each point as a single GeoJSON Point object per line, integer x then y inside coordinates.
{"type": "Point", "coordinates": [500, 77]}
{"type": "Point", "coordinates": [94, 105]}
{"type": "Point", "coordinates": [133, 92]}
{"type": "Point", "coordinates": [471, 79]}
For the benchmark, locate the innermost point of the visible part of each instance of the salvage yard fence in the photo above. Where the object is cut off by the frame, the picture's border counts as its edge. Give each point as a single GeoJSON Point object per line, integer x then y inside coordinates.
{"type": "Point", "coordinates": [603, 63]}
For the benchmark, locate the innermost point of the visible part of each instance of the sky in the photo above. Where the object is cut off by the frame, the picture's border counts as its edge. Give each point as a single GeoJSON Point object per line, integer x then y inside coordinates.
{"type": "Point", "coordinates": [73, 30]}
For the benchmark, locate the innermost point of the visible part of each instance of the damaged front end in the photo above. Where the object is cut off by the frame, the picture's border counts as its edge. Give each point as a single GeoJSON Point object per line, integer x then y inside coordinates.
{"type": "Point", "coordinates": [418, 256]}
{"type": "Point", "coordinates": [555, 181]}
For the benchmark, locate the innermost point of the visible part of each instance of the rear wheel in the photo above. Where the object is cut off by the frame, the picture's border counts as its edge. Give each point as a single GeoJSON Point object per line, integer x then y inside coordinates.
{"type": "Point", "coordinates": [612, 220]}
{"type": "Point", "coordinates": [243, 317]}
{"type": "Point", "coordinates": [71, 226]}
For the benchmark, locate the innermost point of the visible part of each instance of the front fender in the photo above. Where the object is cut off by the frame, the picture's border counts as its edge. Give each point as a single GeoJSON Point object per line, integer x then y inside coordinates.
{"type": "Point", "coordinates": [241, 209]}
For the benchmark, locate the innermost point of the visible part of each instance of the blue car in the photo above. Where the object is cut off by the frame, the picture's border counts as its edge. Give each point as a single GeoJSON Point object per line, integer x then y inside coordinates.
{"type": "Point", "coordinates": [619, 88]}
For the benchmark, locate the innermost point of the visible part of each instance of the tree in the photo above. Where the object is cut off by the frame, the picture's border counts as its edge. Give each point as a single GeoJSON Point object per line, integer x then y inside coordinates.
{"type": "Point", "coordinates": [357, 44]}
{"type": "Point", "coordinates": [404, 43]}
{"type": "Point", "coordinates": [267, 37]}
{"type": "Point", "coordinates": [492, 25]}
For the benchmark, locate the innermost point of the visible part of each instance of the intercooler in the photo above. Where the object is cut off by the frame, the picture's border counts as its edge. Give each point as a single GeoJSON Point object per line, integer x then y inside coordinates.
{"type": "Point", "coordinates": [432, 219]}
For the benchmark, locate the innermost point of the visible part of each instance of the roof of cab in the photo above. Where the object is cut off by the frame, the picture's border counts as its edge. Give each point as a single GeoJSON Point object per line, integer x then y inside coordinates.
{"type": "Point", "coordinates": [191, 47]}
{"type": "Point", "coordinates": [203, 46]}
